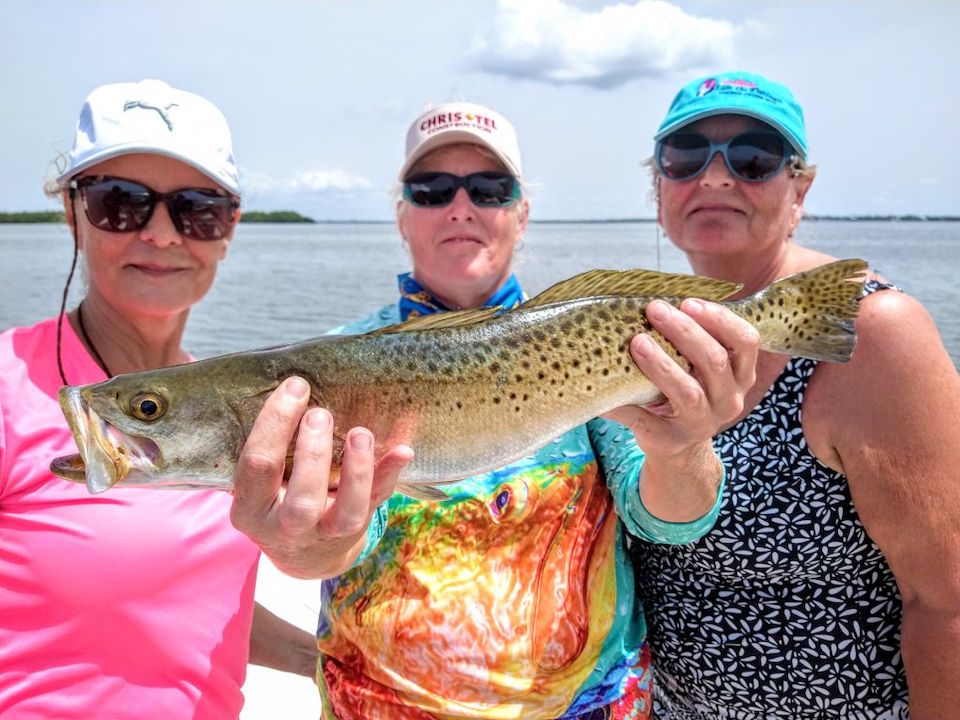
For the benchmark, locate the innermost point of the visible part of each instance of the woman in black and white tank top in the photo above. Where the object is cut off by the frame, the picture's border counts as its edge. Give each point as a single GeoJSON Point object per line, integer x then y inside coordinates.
{"type": "Point", "coordinates": [830, 585]}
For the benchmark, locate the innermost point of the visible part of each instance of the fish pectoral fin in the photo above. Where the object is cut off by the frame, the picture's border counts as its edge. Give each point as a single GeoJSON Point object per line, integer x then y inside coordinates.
{"type": "Point", "coordinates": [428, 493]}
{"type": "Point", "coordinates": [450, 319]}
{"type": "Point", "coordinates": [633, 283]}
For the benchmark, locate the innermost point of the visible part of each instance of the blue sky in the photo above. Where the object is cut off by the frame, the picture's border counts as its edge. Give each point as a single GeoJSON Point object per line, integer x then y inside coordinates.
{"type": "Point", "coordinates": [319, 94]}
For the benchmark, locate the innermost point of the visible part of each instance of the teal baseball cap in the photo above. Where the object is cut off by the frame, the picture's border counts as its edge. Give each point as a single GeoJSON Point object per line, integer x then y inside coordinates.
{"type": "Point", "coordinates": [738, 93]}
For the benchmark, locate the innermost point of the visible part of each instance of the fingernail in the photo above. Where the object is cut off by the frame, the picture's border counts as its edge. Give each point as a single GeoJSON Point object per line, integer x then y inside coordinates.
{"type": "Point", "coordinates": [296, 387]}
{"type": "Point", "coordinates": [318, 419]}
{"type": "Point", "coordinates": [361, 441]}
{"type": "Point", "coordinates": [643, 344]}
{"type": "Point", "coordinates": [658, 310]}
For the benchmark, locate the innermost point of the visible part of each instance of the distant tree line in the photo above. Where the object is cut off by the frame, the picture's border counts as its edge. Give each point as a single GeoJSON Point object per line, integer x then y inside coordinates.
{"type": "Point", "coordinates": [292, 216]}
{"type": "Point", "coordinates": [274, 216]}
{"type": "Point", "coordinates": [43, 216]}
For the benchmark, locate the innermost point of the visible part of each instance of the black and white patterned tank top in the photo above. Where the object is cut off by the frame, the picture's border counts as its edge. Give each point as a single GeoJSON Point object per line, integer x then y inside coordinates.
{"type": "Point", "coordinates": [786, 609]}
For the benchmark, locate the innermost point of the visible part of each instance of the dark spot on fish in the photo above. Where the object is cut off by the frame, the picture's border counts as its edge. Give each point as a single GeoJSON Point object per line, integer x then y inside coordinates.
{"type": "Point", "coordinates": [526, 397]}
{"type": "Point", "coordinates": [576, 363]}
{"type": "Point", "coordinates": [606, 372]}
{"type": "Point", "coordinates": [541, 375]}
{"type": "Point", "coordinates": [518, 378]}
{"type": "Point", "coordinates": [543, 358]}
{"type": "Point", "coordinates": [556, 365]}
{"type": "Point", "coordinates": [525, 364]}
{"type": "Point", "coordinates": [580, 333]}
{"type": "Point", "coordinates": [513, 396]}
{"type": "Point", "coordinates": [459, 405]}
{"type": "Point", "coordinates": [566, 326]}
{"type": "Point", "coordinates": [495, 367]}
{"type": "Point", "coordinates": [496, 401]}
{"type": "Point", "coordinates": [598, 352]}
{"type": "Point", "coordinates": [589, 388]}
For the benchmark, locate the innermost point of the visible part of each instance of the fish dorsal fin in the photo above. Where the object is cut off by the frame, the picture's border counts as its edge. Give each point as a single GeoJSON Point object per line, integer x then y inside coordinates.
{"type": "Point", "coordinates": [634, 283]}
{"type": "Point", "coordinates": [450, 319]}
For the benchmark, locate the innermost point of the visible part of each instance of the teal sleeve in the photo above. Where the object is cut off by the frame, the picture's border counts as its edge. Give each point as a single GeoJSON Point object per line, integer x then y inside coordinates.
{"type": "Point", "coordinates": [374, 532]}
{"type": "Point", "coordinates": [621, 460]}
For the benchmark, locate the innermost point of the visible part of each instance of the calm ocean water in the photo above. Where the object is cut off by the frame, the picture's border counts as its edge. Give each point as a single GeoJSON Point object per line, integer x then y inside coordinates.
{"type": "Point", "coordinates": [282, 283]}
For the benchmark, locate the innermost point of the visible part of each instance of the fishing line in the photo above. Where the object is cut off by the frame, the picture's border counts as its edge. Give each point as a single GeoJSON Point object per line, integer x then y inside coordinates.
{"type": "Point", "coordinates": [658, 248]}
{"type": "Point", "coordinates": [66, 288]}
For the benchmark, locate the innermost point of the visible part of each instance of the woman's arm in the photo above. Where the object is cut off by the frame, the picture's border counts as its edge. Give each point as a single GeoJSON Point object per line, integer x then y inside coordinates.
{"type": "Point", "coordinates": [890, 421]}
{"type": "Point", "coordinates": [275, 643]}
{"type": "Point", "coordinates": [681, 474]}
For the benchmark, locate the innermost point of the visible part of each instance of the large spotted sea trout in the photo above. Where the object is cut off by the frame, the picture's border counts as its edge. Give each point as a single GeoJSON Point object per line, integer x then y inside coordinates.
{"type": "Point", "coordinates": [469, 390]}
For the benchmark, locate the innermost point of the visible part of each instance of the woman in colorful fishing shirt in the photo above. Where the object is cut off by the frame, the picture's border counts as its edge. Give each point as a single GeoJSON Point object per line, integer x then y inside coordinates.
{"type": "Point", "coordinates": [514, 597]}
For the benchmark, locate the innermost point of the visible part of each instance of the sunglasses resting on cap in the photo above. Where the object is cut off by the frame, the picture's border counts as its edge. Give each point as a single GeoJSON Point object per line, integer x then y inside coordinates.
{"type": "Point", "coordinates": [485, 189]}
{"type": "Point", "coordinates": [752, 156]}
{"type": "Point", "coordinates": [118, 205]}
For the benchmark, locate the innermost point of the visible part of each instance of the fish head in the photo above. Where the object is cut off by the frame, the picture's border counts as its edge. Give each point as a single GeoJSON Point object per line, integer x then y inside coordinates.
{"type": "Point", "coordinates": [162, 428]}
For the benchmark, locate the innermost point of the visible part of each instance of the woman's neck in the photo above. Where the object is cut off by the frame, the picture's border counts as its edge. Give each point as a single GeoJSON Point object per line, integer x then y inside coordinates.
{"type": "Point", "coordinates": [754, 273]}
{"type": "Point", "coordinates": [758, 271]}
{"type": "Point", "coordinates": [465, 297]}
{"type": "Point", "coordinates": [123, 343]}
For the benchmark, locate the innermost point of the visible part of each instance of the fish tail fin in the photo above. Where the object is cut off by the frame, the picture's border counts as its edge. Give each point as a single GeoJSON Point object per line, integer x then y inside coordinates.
{"type": "Point", "coordinates": [809, 314]}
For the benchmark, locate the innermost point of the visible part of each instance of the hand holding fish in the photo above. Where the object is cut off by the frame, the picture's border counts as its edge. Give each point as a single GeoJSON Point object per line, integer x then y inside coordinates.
{"type": "Point", "coordinates": [312, 526]}
{"type": "Point", "coordinates": [675, 434]}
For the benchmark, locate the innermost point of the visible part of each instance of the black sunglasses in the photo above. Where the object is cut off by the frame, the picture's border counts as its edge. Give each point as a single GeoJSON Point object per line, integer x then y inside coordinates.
{"type": "Point", "coordinates": [437, 189]}
{"type": "Point", "coordinates": [118, 205]}
{"type": "Point", "coordinates": [752, 156]}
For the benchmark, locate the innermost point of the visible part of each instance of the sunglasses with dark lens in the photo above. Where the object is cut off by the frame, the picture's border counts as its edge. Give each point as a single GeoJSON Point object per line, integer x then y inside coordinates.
{"type": "Point", "coordinates": [752, 156]}
{"type": "Point", "coordinates": [118, 205]}
{"type": "Point", "coordinates": [485, 189]}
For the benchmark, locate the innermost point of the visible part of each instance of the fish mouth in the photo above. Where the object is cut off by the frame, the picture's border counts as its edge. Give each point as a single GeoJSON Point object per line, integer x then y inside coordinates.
{"type": "Point", "coordinates": [107, 454]}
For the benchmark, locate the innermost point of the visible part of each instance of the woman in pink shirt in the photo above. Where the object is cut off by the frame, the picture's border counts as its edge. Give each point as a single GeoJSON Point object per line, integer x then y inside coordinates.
{"type": "Point", "coordinates": [130, 604]}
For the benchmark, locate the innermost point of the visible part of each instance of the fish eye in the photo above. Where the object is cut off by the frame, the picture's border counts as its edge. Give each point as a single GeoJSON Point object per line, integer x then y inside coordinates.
{"type": "Point", "coordinates": [148, 406]}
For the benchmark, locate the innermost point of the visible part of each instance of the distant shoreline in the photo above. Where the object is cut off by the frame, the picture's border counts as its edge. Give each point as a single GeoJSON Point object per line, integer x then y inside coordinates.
{"type": "Point", "coordinates": [291, 216]}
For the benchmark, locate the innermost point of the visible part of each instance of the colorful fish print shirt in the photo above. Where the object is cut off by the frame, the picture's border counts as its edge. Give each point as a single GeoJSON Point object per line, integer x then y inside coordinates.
{"type": "Point", "coordinates": [514, 598]}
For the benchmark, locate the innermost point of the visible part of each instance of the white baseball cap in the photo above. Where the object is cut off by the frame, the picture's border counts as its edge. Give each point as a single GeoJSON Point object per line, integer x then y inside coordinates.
{"type": "Point", "coordinates": [462, 122]}
{"type": "Point", "coordinates": [151, 117]}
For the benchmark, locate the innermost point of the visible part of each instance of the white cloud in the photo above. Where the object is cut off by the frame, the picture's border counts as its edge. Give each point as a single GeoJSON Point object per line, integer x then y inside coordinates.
{"type": "Point", "coordinates": [553, 42]}
{"type": "Point", "coordinates": [308, 181]}
{"type": "Point", "coordinates": [328, 180]}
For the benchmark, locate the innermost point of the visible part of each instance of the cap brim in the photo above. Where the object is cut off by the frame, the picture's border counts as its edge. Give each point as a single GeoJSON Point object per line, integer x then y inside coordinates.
{"type": "Point", "coordinates": [120, 150]}
{"type": "Point", "coordinates": [732, 110]}
{"type": "Point", "coordinates": [453, 137]}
